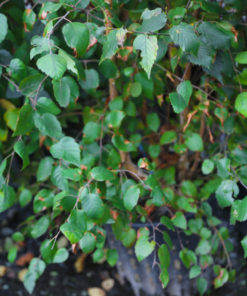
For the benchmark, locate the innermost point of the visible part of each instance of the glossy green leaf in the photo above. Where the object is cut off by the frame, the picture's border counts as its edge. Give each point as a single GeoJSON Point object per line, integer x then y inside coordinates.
{"type": "Point", "coordinates": [48, 125]}
{"type": "Point", "coordinates": [24, 121]}
{"type": "Point", "coordinates": [241, 57]}
{"type": "Point", "coordinates": [40, 227]}
{"type": "Point", "coordinates": [153, 20]}
{"type": "Point", "coordinates": [153, 121]}
{"type": "Point", "coordinates": [207, 166]}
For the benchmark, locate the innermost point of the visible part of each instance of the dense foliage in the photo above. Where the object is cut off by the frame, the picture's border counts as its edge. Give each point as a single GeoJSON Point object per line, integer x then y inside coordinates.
{"type": "Point", "coordinates": [119, 111]}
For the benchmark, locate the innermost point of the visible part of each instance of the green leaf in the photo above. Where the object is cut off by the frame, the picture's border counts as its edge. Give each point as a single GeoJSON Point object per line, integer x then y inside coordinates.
{"type": "Point", "coordinates": [114, 118]}
{"type": "Point", "coordinates": [185, 37]}
{"type": "Point", "coordinates": [91, 81]}
{"type": "Point", "coordinates": [201, 285]}
{"type": "Point", "coordinates": [153, 121]}
{"type": "Point", "coordinates": [189, 188]}
{"type": "Point", "coordinates": [46, 105]}
{"type": "Point", "coordinates": [93, 206]}
{"type": "Point", "coordinates": [24, 121]}
{"type": "Point", "coordinates": [207, 166]}
{"type": "Point", "coordinates": [110, 46]}
{"type": "Point", "coordinates": [241, 103]}
{"type": "Point", "coordinates": [112, 257]}
{"type": "Point", "coordinates": [168, 137]}
{"type": "Point", "coordinates": [48, 250]}
{"type": "Point", "coordinates": [42, 200]}
{"type": "Point", "coordinates": [7, 197]}
{"type": "Point", "coordinates": [75, 227]}
{"type": "Point", "coordinates": [52, 65]}
{"type": "Point", "coordinates": [25, 197]}
{"type": "Point", "coordinates": [241, 57]}
{"type": "Point", "coordinates": [12, 253]}
{"type": "Point", "coordinates": [203, 247]}
{"type": "Point", "coordinates": [68, 150]}
{"type": "Point", "coordinates": [194, 142]}
{"type": "Point", "coordinates": [143, 248]}
{"type": "Point", "coordinates": [88, 242]}
{"type": "Point", "coordinates": [239, 210]}
{"type": "Point", "coordinates": [153, 20]}
{"type": "Point", "coordinates": [48, 125]}
{"type": "Point", "coordinates": [71, 65]}
{"type": "Point", "coordinates": [194, 271]}
{"type": "Point", "coordinates": [61, 255]}
{"type": "Point", "coordinates": [3, 166]}
{"type": "Point", "coordinates": [148, 46]}
{"type": "Point", "coordinates": [3, 26]}
{"type": "Point", "coordinates": [164, 277]}
{"type": "Point", "coordinates": [108, 68]}
{"type": "Point", "coordinates": [35, 270]}
{"type": "Point", "coordinates": [178, 102]}
{"type": "Point", "coordinates": [222, 278]}
{"type": "Point", "coordinates": [76, 36]}
{"type": "Point", "coordinates": [40, 227]}
{"type": "Point", "coordinates": [188, 257]}
{"type": "Point", "coordinates": [214, 35]}
{"type": "Point", "coordinates": [102, 174]}
{"type": "Point", "coordinates": [40, 45]}
{"type": "Point", "coordinates": [21, 150]}
{"type": "Point", "coordinates": [244, 245]}
{"type": "Point", "coordinates": [184, 89]}
{"type": "Point", "coordinates": [131, 197]}
{"type": "Point", "coordinates": [58, 178]}
{"type": "Point", "coordinates": [164, 256]}
{"type": "Point", "coordinates": [179, 220]}
{"type": "Point", "coordinates": [18, 237]}
{"type": "Point", "coordinates": [30, 84]}
{"type": "Point", "coordinates": [225, 192]}
{"type": "Point", "coordinates": [91, 131]}
{"type": "Point", "coordinates": [45, 168]}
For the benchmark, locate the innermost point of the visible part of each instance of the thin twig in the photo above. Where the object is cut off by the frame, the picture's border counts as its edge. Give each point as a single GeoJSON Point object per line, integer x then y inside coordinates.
{"type": "Point", "coordinates": [4, 2]}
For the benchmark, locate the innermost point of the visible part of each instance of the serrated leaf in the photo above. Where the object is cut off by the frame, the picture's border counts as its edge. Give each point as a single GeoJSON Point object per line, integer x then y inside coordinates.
{"type": "Point", "coordinates": [68, 150]}
{"type": "Point", "coordinates": [168, 137]}
{"type": "Point", "coordinates": [131, 197]}
{"type": "Point", "coordinates": [71, 65]}
{"type": "Point", "coordinates": [48, 125]}
{"type": "Point", "coordinates": [46, 105]}
{"type": "Point", "coordinates": [45, 168]}
{"type": "Point", "coordinates": [52, 65]}
{"type": "Point", "coordinates": [93, 206]}
{"type": "Point", "coordinates": [3, 26]}
{"type": "Point", "coordinates": [148, 46]}
{"type": "Point", "coordinates": [202, 285]}
{"type": "Point", "coordinates": [91, 131]}
{"type": "Point", "coordinates": [214, 35]}
{"type": "Point", "coordinates": [143, 248]}
{"type": "Point", "coordinates": [110, 46]}
{"type": "Point", "coordinates": [184, 35]}
{"type": "Point", "coordinates": [30, 84]}
{"type": "Point", "coordinates": [40, 45]}
{"type": "Point", "coordinates": [65, 90]}
{"type": "Point", "coordinates": [114, 118]}
{"type": "Point", "coordinates": [153, 20]}
{"type": "Point", "coordinates": [76, 36]}
{"type": "Point", "coordinates": [58, 179]}
{"type": "Point", "coordinates": [102, 174]}
{"type": "Point", "coordinates": [239, 210]}
{"type": "Point", "coordinates": [75, 227]}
